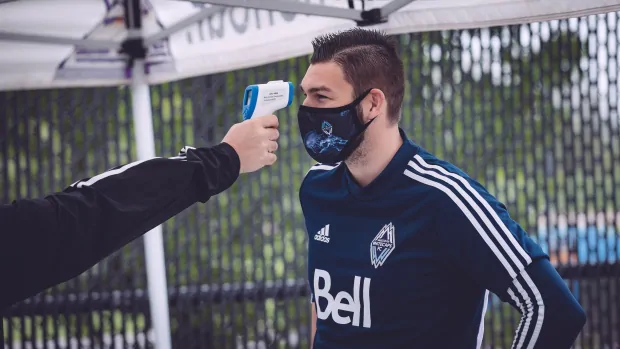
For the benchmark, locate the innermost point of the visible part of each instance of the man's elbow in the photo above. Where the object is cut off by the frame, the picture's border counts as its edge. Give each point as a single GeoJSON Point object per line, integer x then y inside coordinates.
{"type": "Point", "coordinates": [567, 317]}
{"type": "Point", "coordinates": [563, 316]}
{"type": "Point", "coordinates": [577, 316]}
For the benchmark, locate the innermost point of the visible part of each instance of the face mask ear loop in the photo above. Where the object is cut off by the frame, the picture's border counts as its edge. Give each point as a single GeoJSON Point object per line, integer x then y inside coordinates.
{"type": "Point", "coordinates": [353, 143]}
{"type": "Point", "coordinates": [359, 99]}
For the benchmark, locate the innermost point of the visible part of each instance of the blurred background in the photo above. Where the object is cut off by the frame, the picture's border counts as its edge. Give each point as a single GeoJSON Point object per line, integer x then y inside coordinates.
{"type": "Point", "coordinates": [530, 111]}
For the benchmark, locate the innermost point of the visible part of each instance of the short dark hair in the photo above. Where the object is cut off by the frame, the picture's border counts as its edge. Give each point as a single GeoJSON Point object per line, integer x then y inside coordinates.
{"type": "Point", "coordinates": [369, 59]}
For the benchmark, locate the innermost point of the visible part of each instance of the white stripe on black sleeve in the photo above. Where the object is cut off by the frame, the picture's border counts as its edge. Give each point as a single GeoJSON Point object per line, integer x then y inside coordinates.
{"type": "Point", "coordinates": [528, 298]}
{"type": "Point", "coordinates": [106, 174]}
{"type": "Point", "coordinates": [86, 183]}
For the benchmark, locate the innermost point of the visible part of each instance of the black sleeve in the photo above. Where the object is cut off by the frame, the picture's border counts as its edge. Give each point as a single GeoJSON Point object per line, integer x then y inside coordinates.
{"type": "Point", "coordinates": [44, 242]}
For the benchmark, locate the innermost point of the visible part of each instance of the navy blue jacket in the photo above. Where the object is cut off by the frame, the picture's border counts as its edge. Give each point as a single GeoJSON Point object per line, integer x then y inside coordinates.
{"type": "Point", "coordinates": [408, 261]}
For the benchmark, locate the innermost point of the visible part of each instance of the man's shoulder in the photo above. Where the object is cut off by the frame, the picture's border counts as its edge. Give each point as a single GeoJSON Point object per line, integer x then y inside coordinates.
{"type": "Point", "coordinates": [426, 161]}
{"type": "Point", "coordinates": [321, 171]}
{"type": "Point", "coordinates": [320, 174]}
{"type": "Point", "coordinates": [445, 181]}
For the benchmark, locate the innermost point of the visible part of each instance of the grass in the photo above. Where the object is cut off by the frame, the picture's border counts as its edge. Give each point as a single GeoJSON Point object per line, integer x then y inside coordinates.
{"type": "Point", "coordinates": [65, 327]}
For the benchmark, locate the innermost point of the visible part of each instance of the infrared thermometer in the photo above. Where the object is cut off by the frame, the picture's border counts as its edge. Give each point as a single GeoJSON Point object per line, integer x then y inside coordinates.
{"type": "Point", "coordinates": [266, 99]}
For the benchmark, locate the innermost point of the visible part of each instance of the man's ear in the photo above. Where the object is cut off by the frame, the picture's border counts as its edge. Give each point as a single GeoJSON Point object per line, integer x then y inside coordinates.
{"type": "Point", "coordinates": [377, 101]}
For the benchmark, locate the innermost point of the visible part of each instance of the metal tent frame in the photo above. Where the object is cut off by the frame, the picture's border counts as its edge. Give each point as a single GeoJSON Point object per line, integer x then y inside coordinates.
{"type": "Point", "coordinates": [135, 48]}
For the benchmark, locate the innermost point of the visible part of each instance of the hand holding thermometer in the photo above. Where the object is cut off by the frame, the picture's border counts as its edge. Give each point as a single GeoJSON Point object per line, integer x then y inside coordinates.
{"type": "Point", "coordinates": [266, 99]}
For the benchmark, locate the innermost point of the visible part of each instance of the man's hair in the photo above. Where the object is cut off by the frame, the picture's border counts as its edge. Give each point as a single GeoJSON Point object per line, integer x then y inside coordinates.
{"type": "Point", "coordinates": [369, 59]}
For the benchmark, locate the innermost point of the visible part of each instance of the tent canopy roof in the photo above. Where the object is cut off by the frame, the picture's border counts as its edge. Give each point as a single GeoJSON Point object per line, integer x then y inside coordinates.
{"type": "Point", "coordinates": [65, 43]}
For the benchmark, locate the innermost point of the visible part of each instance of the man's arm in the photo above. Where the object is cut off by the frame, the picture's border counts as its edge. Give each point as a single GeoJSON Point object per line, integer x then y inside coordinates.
{"type": "Point", "coordinates": [550, 316]}
{"type": "Point", "coordinates": [315, 169]}
{"type": "Point", "coordinates": [44, 242]}
{"type": "Point", "coordinates": [313, 326]}
{"type": "Point", "coordinates": [482, 242]}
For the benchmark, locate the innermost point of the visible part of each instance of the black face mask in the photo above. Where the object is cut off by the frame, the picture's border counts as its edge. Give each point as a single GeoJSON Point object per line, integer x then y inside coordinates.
{"type": "Point", "coordinates": [330, 135]}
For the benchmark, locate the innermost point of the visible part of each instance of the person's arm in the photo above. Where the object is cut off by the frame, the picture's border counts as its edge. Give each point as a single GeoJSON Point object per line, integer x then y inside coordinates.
{"type": "Point", "coordinates": [44, 242]}
{"type": "Point", "coordinates": [51, 240]}
{"type": "Point", "coordinates": [482, 242]}
{"type": "Point", "coordinates": [317, 168]}
{"type": "Point", "coordinates": [313, 326]}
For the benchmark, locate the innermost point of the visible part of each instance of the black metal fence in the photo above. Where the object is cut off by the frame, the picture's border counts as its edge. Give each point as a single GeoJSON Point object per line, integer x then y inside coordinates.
{"type": "Point", "coordinates": [530, 111]}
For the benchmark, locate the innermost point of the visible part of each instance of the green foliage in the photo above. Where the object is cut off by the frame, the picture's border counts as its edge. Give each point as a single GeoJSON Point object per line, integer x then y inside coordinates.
{"type": "Point", "coordinates": [41, 328]}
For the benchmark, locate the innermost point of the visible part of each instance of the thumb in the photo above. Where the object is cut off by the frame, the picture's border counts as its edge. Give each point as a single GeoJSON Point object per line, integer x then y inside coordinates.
{"type": "Point", "coordinates": [269, 121]}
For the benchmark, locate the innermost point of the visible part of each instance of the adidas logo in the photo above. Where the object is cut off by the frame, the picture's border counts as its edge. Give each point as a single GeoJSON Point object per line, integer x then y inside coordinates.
{"type": "Point", "coordinates": [323, 234]}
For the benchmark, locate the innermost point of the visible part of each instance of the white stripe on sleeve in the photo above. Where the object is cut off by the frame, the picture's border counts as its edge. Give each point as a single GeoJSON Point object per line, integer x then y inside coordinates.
{"type": "Point", "coordinates": [481, 328]}
{"type": "Point", "coordinates": [490, 212]}
{"type": "Point", "coordinates": [106, 174]}
{"type": "Point", "coordinates": [532, 310]}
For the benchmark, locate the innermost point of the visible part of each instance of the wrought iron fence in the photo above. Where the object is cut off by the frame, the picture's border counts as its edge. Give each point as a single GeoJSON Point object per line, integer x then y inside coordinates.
{"type": "Point", "coordinates": [530, 111]}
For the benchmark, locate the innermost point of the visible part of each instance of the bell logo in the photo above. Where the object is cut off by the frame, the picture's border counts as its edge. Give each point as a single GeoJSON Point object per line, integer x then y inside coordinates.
{"type": "Point", "coordinates": [345, 308]}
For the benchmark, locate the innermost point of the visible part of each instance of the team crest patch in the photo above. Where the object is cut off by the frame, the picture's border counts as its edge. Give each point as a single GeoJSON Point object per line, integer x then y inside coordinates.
{"type": "Point", "coordinates": [327, 128]}
{"type": "Point", "coordinates": [382, 245]}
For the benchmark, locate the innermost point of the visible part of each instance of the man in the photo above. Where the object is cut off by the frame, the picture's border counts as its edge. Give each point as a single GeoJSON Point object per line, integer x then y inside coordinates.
{"type": "Point", "coordinates": [44, 242]}
{"type": "Point", "coordinates": [402, 245]}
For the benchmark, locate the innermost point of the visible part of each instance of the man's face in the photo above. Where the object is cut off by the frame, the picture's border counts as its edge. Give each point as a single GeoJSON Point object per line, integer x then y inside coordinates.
{"type": "Point", "coordinates": [325, 87]}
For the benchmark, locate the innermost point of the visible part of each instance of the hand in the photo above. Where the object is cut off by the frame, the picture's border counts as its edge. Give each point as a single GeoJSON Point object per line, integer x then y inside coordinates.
{"type": "Point", "coordinates": [254, 141]}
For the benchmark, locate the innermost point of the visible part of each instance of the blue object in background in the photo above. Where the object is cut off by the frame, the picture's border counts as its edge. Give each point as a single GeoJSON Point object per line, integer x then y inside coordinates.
{"type": "Point", "coordinates": [591, 244]}
{"type": "Point", "coordinates": [588, 245]}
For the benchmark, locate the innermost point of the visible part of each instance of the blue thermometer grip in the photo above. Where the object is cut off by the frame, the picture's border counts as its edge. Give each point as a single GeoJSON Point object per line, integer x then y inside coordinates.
{"type": "Point", "coordinates": [250, 98]}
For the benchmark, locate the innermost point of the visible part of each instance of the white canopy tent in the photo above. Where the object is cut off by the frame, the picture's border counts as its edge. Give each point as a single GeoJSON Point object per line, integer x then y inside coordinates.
{"type": "Point", "coordinates": [87, 43]}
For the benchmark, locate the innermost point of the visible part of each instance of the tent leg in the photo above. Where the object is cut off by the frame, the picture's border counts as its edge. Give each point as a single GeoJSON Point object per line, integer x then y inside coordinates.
{"type": "Point", "coordinates": [153, 240]}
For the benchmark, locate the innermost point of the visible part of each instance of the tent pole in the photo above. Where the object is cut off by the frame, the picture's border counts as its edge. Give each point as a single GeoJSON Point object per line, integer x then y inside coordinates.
{"type": "Point", "coordinates": [153, 240]}
{"type": "Point", "coordinates": [394, 6]}
{"type": "Point", "coordinates": [182, 24]}
{"type": "Point", "coordinates": [57, 40]}
{"type": "Point", "coordinates": [145, 141]}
